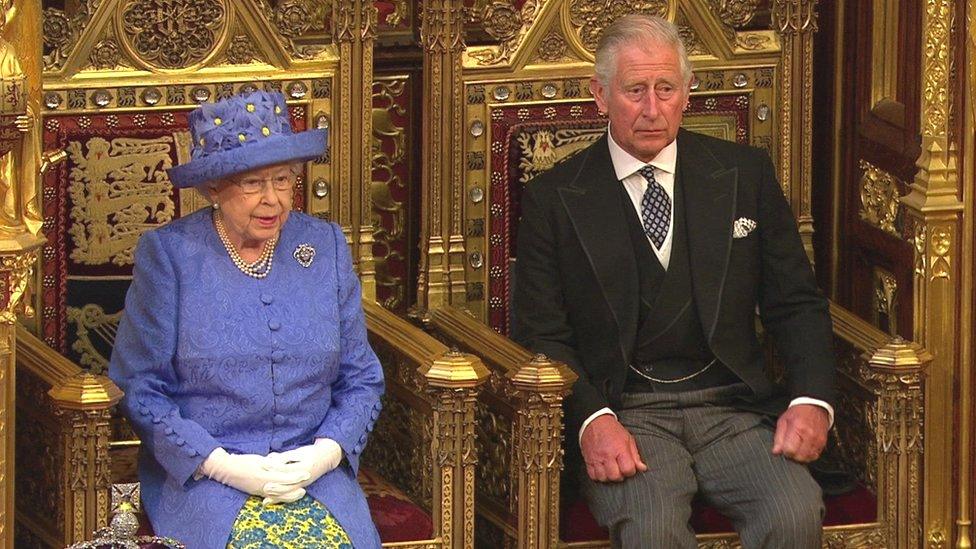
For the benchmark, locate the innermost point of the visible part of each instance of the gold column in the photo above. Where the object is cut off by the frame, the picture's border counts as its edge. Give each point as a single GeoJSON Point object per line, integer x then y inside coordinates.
{"type": "Point", "coordinates": [85, 401]}
{"type": "Point", "coordinates": [898, 369]}
{"type": "Point", "coordinates": [453, 381]}
{"type": "Point", "coordinates": [354, 30]}
{"type": "Point", "coordinates": [966, 502]}
{"type": "Point", "coordinates": [935, 209]}
{"type": "Point", "coordinates": [441, 279]}
{"type": "Point", "coordinates": [20, 164]}
{"type": "Point", "coordinates": [540, 387]}
{"type": "Point", "coordinates": [796, 21]}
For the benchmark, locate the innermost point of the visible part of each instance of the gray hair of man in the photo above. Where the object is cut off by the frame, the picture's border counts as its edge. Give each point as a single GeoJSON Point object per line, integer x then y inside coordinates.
{"type": "Point", "coordinates": [645, 31]}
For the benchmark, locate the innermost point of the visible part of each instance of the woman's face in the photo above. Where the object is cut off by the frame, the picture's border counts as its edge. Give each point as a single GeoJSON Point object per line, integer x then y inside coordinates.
{"type": "Point", "coordinates": [254, 205]}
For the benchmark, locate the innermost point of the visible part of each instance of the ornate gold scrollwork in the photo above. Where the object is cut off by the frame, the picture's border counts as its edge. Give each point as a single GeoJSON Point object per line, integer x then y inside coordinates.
{"type": "Point", "coordinates": [385, 180]}
{"type": "Point", "coordinates": [590, 17]}
{"type": "Point", "coordinates": [241, 51]}
{"type": "Point", "coordinates": [795, 16]}
{"type": "Point", "coordinates": [879, 198]}
{"type": "Point", "coordinates": [91, 321]}
{"type": "Point", "coordinates": [15, 273]}
{"type": "Point", "coordinates": [552, 47]}
{"type": "Point", "coordinates": [886, 300]}
{"type": "Point", "coordinates": [896, 370]}
{"type": "Point", "coordinates": [736, 13]}
{"type": "Point", "coordinates": [172, 34]}
{"type": "Point", "coordinates": [453, 381]}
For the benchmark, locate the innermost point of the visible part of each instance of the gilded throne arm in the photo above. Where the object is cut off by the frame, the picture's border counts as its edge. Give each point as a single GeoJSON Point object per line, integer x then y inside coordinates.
{"type": "Point", "coordinates": [877, 436]}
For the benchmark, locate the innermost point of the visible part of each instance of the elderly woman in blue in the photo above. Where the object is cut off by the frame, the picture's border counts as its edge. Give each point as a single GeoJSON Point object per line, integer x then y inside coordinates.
{"type": "Point", "coordinates": [243, 352]}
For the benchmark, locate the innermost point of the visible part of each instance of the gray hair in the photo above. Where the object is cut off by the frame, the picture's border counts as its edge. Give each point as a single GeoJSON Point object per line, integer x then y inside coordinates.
{"type": "Point", "coordinates": [640, 30]}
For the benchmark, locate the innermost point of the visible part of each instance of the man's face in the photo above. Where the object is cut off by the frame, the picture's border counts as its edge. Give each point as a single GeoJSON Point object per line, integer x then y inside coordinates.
{"type": "Point", "coordinates": [644, 99]}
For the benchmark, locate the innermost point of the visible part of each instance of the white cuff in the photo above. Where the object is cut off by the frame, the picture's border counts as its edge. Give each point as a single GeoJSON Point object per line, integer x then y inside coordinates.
{"type": "Point", "coordinates": [603, 411]}
{"type": "Point", "coordinates": [815, 402]}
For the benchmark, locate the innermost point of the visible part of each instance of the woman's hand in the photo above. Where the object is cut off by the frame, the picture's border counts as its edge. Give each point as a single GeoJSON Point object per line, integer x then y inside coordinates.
{"type": "Point", "coordinates": [313, 460]}
{"type": "Point", "coordinates": [255, 475]}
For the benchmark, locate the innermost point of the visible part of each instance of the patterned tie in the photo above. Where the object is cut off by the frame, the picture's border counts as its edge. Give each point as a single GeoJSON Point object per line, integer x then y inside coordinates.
{"type": "Point", "coordinates": [655, 208]}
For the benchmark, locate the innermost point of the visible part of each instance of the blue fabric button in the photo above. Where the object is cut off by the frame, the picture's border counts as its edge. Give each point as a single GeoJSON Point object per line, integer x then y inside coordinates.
{"type": "Point", "coordinates": [180, 441]}
{"type": "Point", "coordinates": [375, 414]}
{"type": "Point", "coordinates": [190, 451]}
{"type": "Point", "coordinates": [168, 430]}
{"type": "Point", "coordinates": [266, 299]}
{"type": "Point", "coordinates": [279, 419]}
{"type": "Point", "coordinates": [274, 324]}
{"type": "Point", "coordinates": [143, 410]}
{"type": "Point", "coordinates": [279, 389]}
{"type": "Point", "coordinates": [277, 356]}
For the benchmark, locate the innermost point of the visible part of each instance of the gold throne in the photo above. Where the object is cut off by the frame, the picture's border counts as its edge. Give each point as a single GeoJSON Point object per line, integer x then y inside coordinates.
{"type": "Point", "coordinates": [524, 105]}
{"type": "Point", "coordinates": [119, 79]}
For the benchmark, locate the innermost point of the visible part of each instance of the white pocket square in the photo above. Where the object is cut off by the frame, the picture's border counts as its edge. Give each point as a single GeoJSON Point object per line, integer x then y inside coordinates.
{"type": "Point", "coordinates": [742, 227]}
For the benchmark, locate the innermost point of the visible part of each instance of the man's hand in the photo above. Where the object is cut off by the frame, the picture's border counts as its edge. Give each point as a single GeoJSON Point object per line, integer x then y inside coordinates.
{"type": "Point", "coordinates": [801, 433]}
{"type": "Point", "coordinates": [610, 451]}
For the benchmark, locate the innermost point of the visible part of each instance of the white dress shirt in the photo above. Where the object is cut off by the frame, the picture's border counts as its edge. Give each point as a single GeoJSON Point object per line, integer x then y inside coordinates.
{"type": "Point", "coordinates": [626, 167]}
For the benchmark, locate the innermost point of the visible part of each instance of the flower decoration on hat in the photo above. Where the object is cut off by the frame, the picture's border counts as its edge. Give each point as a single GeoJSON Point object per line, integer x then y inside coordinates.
{"type": "Point", "coordinates": [243, 133]}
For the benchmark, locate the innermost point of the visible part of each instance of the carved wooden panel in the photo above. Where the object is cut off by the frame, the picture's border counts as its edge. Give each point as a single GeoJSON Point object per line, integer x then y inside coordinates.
{"type": "Point", "coordinates": [393, 190]}
{"type": "Point", "coordinates": [864, 158]}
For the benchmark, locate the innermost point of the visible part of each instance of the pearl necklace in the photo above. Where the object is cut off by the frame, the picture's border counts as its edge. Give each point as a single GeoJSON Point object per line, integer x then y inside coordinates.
{"type": "Point", "coordinates": [258, 269]}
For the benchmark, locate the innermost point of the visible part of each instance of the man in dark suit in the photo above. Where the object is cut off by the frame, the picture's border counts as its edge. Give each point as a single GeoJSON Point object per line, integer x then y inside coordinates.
{"type": "Point", "coordinates": [642, 262]}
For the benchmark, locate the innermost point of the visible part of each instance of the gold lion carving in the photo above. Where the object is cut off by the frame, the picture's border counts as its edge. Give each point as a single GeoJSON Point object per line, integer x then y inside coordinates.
{"type": "Point", "coordinates": [118, 190]}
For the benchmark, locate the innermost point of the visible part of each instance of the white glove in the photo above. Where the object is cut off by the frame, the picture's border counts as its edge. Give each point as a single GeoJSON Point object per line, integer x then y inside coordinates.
{"type": "Point", "coordinates": [313, 460]}
{"type": "Point", "coordinates": [255, 475]}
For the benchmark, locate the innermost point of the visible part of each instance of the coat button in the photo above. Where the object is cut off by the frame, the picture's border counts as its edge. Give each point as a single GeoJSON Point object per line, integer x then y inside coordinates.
{"type": "Point", "coordinates": [277, 356]}
{"type": "Point", "coordinates": [279, 389]}
{"type": "Point", "coordinates": [267, 299]}
{"type": "Point", "coordinates": [274, 324]}
{"type": "Point", "coordinates": [279, 419]}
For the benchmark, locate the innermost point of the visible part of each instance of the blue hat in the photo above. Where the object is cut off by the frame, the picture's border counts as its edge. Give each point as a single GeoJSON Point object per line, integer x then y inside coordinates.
{"type": "Point", "coordinates": [242, 133]}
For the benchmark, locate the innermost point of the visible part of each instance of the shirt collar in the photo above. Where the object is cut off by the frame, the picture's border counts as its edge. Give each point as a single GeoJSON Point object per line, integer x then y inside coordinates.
{"type": "Point", "coordinates": [625, 165]}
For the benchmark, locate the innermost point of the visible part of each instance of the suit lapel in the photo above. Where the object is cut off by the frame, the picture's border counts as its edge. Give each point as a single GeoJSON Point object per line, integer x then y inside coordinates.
{"type": "Point", "coordinates": [592, 201]}
{"type": "Point", "coordinates": [709, 189]}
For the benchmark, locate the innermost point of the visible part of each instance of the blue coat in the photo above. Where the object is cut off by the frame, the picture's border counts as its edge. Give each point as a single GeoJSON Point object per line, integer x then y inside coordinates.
{"type": "Point", "coordinates": [209, 357]}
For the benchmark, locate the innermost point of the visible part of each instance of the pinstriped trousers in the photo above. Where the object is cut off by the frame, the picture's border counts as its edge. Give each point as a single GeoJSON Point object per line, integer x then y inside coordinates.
{"type": "Point", "coordinates": [695, 442]}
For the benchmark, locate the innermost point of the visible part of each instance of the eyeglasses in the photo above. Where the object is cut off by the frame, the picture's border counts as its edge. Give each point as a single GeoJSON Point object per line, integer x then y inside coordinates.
{"type": "Point", "coordinates": [255, 185]}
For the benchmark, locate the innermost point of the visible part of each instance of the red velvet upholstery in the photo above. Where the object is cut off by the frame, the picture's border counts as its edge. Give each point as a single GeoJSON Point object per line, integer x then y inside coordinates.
{"type": "Point", "coordinates": [396, 517]}
{"type": "Point", "coordinates": [857, 507]}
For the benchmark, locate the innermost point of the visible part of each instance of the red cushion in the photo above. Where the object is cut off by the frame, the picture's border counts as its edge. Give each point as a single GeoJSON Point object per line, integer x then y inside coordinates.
{"type": "Point", "coordinates": [396, 517]}
{"type": "Point", "coordinates": [857, 507]}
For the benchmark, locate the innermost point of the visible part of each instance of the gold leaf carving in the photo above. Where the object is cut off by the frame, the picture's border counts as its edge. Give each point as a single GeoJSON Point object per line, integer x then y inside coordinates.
{"type": "Point", "coordinates": [879, 198]}
{"type": "Point", "coordinates": [552, 47]}
{"type": "Point", "coordinates": [752, 41]}
{"type": "Point", "coordinates": [241, 50]}
{"type": "Point", "coordinates": [91, 321]}
{"type": "Point", "coordinates": [106, 54]}
{"type": "Point", "coordinates": [590, 17]}
{"type": "Point", "coordinates": [385, 179]}
{"type": "Point", "coordinates": [737, 13]}
{"type": "Point", "coordinates": [941, 242]}
{"type": "Point", "coordinates": [173, 34]}
{"type": "Point", "coordinates": [118, 189]}
{"type": "Point", "coordinates": [886, 300]}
